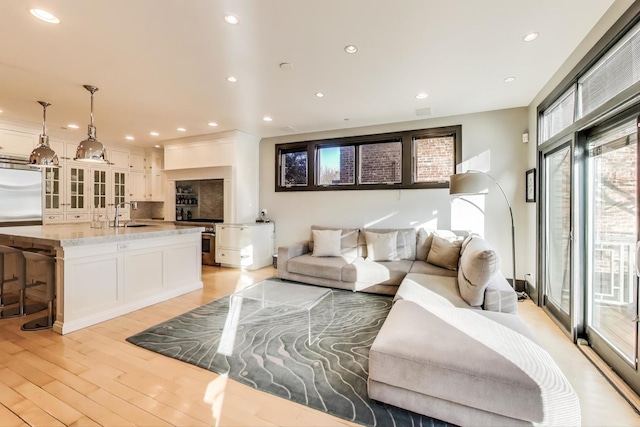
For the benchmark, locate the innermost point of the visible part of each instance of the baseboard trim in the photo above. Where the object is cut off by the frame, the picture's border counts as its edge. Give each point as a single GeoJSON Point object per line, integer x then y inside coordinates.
{"type": "Point", "coordinates": [618, 383]}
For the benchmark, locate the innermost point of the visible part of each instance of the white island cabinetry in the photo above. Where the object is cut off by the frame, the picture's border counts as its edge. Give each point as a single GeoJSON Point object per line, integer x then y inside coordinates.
{"type": "Point", "coordinates": [247, 246]}
{"type": "Point", "coordinates": [105, 273]}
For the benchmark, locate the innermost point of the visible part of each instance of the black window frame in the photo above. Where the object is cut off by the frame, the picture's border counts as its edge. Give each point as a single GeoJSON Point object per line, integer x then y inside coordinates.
{"type": "Point", "coordinates": [406, 139]}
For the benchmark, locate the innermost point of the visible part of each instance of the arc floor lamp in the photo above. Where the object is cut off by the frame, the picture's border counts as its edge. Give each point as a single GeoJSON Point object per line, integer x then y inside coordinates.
{"type": "Point", "coordinates": [474, 182]}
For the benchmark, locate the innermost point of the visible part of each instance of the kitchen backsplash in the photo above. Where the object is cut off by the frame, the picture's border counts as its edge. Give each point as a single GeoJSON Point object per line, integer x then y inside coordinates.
{"type": "Point", "coordinates": [147, 210]}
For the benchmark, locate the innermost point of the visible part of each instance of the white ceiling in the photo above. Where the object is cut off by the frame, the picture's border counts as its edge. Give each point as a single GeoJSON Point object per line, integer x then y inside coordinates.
{"type": "Point", "coordinates": [163, 64]}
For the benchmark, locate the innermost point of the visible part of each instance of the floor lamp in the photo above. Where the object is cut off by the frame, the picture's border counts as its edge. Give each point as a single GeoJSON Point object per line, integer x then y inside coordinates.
{"type": "Point", "coordinates": [473, 182]}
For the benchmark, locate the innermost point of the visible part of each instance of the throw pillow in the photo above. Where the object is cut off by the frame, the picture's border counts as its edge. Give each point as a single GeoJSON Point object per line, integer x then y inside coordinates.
{"type": "Point", "coordinates": [425, 238]}
{"type": "Point", "coordinates": [326, 243]}
{"type": "Point", "coordinates": [478, 263]}
{"type": "Point", "coordinates": [444, 253]}
{"type": "Point", "coordinates": [382, 246]}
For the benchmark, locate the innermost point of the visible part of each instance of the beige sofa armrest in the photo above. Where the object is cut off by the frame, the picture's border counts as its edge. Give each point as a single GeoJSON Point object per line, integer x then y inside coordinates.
{"type": "Point", "coordinates": [285, 253]}
{"type": "Point", "coordinates": [500, 296]}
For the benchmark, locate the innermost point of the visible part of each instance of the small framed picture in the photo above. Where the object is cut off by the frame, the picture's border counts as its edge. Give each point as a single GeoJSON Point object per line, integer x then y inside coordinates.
{"type": "Point", "coordinates": [530, 180]}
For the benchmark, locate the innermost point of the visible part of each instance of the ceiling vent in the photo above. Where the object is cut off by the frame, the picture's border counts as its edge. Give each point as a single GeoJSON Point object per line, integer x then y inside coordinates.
{"type": "Point", "coordinates": [423, 111]}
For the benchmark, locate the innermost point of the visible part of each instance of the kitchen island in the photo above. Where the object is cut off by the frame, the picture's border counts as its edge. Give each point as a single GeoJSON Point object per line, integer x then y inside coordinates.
{"type": "Point", "coordinates": [102, 273]}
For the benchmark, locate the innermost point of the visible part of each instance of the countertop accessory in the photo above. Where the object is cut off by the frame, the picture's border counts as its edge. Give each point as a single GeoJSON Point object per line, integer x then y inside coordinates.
{"type": "Point", "coordinates": [43, 155]}
{"type": "Point", "coordinates": [91, 150]}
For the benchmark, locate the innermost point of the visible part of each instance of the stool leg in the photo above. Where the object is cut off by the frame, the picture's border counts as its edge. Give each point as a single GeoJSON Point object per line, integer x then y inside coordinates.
{"type": "Point", "coordinates": [41, 322]}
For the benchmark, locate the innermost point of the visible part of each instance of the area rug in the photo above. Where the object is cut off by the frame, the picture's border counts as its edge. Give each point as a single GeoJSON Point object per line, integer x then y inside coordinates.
{"type": "Point", "coordinates": [267, 348]}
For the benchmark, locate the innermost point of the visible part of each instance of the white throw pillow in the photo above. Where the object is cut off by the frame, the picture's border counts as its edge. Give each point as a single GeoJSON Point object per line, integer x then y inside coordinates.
{"type": "Point", "coordinates": [382, 246]}
{"type": "Point", "coordinates": [326, 242]}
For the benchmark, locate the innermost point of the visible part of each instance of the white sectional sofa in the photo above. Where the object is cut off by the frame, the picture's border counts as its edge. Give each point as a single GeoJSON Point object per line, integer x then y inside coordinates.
{"type": "Point", "coordinates": [410, 261]}
{"type": "Point", "coordinates": [453, 346]}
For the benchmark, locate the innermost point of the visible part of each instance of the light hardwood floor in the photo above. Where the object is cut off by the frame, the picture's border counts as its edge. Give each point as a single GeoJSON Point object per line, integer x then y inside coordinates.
{"type": "Point", "coordinates": [94, 377]}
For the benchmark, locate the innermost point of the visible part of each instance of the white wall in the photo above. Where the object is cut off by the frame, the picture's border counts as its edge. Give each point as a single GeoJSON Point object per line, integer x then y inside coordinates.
{"type": "Point", "coordinates": [493, 136]}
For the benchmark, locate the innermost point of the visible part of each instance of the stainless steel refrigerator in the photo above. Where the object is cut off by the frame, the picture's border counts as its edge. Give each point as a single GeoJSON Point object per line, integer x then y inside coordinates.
{"type": "Point", "coordinates": [20, 195]}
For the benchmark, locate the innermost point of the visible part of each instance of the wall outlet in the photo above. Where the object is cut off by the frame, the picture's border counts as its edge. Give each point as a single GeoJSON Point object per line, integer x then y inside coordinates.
{"type": "Point", "coordinates": [263, 212]}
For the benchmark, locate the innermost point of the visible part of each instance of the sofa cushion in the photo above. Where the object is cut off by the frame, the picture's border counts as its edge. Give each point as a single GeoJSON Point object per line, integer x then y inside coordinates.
{"type": "Point", "coordinates": [326, 243]}
{"type": "Point", "coordinates": [324, 267]}
{"type": "Point", "coordinates": [444, 253]}
{"type": "Point", "coordinates": [477, 264]}
{"type": "Point", "coordinates": [430, 290]}
{"type": "Point", "coordinates": [423, 267]}
{"type": "Point", "coordinates": [348, 241]}
{"type": "Point", "coordinates": [382, 246]}
{"type": "Point", "coordinates": [425, 238]}
{"type": "Point", "coordinates": [381, 273]}
{"type": "Point", "coordinates": [406, 243]}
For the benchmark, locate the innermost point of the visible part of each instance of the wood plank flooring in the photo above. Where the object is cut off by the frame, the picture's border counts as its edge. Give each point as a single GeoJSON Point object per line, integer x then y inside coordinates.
{"type": "Point", "coordinates": [94, 377]}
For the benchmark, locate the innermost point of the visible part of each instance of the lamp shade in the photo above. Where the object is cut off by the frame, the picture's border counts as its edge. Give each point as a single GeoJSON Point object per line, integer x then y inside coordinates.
{"type": "Point", "coordinates": [467, 184]}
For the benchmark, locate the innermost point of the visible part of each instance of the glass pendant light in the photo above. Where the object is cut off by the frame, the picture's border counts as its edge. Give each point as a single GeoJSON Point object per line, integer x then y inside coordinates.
{"type": "Point", "coordinates": [43, 155]}
{"type": "Point", "coordinates": [91, 150]}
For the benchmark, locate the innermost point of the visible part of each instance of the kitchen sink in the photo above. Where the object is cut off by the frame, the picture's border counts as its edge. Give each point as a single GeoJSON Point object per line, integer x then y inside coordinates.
{"type": "Point", "coordinates": [136, 225]}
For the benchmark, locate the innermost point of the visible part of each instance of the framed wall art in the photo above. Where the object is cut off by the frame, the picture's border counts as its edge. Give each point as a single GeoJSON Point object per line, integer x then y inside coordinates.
{"type": "Point", "coordinates": [530, 180]}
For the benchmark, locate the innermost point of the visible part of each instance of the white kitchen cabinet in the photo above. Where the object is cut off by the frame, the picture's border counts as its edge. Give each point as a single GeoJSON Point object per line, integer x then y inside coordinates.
{"type": "Point", "coordinates": [154, 188]}
{"type": "Point", "coordinates": [77, 178]}
{"type": "Point", "coordinates": [53, 193]}
{"type": "Point", "coordinates": [136, 162]}
{"type": "Point", "coordinates": [136, 186]}
{"type": "Point", "coordinates": [119, 159]}
{"type": "Point", "coordinates": [246, 246]}
{"type": "Point", "coordinates": [14, 143]}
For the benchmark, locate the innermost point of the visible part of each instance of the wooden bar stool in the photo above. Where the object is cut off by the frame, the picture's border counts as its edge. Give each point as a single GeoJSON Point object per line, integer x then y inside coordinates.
{"type": "Point", "coordinates": [19, 277]}
{"type": "Point", "coordinates": [41, 287]}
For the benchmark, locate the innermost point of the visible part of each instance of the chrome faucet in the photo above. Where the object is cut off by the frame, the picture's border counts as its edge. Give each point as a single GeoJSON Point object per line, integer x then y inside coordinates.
{"type": "Point", "coordinates": [116, 220]}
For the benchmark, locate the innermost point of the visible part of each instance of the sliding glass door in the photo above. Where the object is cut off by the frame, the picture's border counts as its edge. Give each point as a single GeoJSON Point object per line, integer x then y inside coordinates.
{"type": "Point", "coordinates": [556, 265]}
{"type": "Point", "coordinates": [612, 233]}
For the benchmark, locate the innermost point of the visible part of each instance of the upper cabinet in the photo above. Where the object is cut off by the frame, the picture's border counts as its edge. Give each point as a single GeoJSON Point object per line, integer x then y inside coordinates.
{"type": "Point", "coordinates": [119, 159]}
{"type": "Point", "coordinates": [136, 162]}
{"type": "Point", "coordinates": [14, 143]}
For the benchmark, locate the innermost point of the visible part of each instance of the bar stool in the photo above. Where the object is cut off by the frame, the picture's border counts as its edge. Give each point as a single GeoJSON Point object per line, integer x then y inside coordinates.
{"type": "Point", "coordinates": [6, 299]}
{"type": "Point", "coordinates": [44, 291]}
{"type": "Point", "coordinates": [19, 277]}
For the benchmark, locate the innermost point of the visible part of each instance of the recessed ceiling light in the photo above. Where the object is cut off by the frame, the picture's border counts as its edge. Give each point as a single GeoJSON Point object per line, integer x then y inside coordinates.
{"type": "Point", "coordinates": [154, 133]}
{"type": "Point", "coordinates": [509, 79]}
{"type": "Point", "coordinates": [232, 79]}
{"type": "Point", "coordinates": [73, 126]}
{"type": "Point", "coordinates": [157, 146]}
{"type": "Point", "coordinates": [181, 130]}
{"type": "Point", "coordinates": [45, 16]}
{"type": "Point", "coordinates": [212, 124]}
{"type": "Point", "coordinates": [267, 119]}
{"type": "Point", "coordinates": [231, 19]}
{"type": "Point", "coordinates": [320, 94]}
{"type": "Point", "coordinates": [422, 95]}
{"type": "Point", "coordinates": [530, 37]}
{"type": "Point", "coordinates": [0, 111]}
{"type": "Point", "coordinates": [351, 48]}
{"type": "Point", "coordinates": [129, 137]}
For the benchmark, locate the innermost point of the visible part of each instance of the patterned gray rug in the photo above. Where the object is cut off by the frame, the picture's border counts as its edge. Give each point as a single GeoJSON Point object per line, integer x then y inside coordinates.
{"type": "Point", "coordinates": [267, 348]}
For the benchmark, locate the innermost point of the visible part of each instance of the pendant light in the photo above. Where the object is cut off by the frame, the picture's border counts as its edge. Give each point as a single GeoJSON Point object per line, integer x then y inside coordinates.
{"type": "Point", "coordinates": [91, 150]}
{"type": "Point", "coordinates": [43, 155]}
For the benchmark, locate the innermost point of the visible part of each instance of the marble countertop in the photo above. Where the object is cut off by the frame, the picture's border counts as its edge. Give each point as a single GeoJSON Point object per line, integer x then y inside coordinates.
{"type": "Point", "coordinates": [83, 234]}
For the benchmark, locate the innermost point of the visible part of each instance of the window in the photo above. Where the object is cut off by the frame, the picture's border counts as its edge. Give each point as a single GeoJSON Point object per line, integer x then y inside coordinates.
{"type": "Point", "coordinates": [381, 163]}
{"type": "Point", "coordinates": [294, 168]}
{"type": "Point", "coordinates": [412, 159]}
{"type": "Point", "coordinates": [432, 158]}
{"type": "Point", "coordinates": [559, 115]}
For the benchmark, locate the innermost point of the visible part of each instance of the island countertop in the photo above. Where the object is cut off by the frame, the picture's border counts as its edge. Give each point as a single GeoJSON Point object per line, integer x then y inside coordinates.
{"type": "Point", "coordinates": [62, 235]}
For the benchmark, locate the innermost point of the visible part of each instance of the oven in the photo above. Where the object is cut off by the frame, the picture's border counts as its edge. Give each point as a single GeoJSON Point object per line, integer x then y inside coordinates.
{"type": "Point", "coordinates": [208, 248]}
